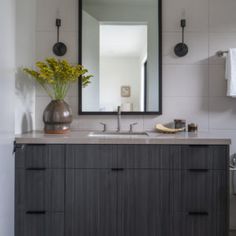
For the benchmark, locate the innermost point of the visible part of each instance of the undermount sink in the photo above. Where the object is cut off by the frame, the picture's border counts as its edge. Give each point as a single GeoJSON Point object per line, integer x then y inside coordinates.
{"type": "Point", "coordinates": [114, 133]}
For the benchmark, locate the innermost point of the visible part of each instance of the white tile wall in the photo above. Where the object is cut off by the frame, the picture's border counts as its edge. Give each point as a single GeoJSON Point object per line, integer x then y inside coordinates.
{"type": "Point", "coordinates": [194, 87]}
{"type": "Point", "coordinates": [179, 77]}
{"type": "Point", "coordinates": [222, 16]}
{"type": "Point", "coordinates": [195, 12]}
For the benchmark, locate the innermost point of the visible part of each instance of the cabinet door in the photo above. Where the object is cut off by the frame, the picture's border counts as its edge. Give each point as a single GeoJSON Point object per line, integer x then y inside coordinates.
{"type": "Point", "coordinates": [205, 157]}
{"type": "Point", "coordinates": [40, 190]}
{"type": "Point", "coordinates": [39, 224]}
{"type": "Point", "coordinates": [37, 156]}
{"type": "Point", "coordinates": [143, 202]}
{"type": "Point", "coordinates": [149, 156]}
{"type": "Point", "coordinates": [92, 156]}
{"type": "Point", "coordinates": [210, 187]}
{"type": "Point", "coordinates": [91, 202]}
{"type": "Point", "coordinates": [199, 224]}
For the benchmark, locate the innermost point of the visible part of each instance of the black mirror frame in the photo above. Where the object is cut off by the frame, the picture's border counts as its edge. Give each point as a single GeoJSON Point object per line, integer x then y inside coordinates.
{"type": "Point", "coordinates": [160, 68]}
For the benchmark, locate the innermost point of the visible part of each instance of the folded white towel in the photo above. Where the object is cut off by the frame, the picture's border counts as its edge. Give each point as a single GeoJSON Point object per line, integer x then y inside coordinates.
{"type": "Point", "coordinates": [230, 72]}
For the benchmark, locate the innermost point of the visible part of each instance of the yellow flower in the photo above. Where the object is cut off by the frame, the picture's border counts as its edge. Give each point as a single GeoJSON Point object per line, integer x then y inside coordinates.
{"type": "Point", "coordinates": [55, 76]}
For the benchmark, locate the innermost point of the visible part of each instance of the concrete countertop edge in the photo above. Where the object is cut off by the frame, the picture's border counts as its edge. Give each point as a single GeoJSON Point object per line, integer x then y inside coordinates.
{"type": "Point", "coordinates": [82, 137]}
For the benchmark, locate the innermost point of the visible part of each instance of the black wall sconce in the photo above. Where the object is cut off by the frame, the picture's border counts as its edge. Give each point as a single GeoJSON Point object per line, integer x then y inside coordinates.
{"type": "Point", "coordinates": [181, 49]}
{"type": "Point", "coordinates": [59, 49]}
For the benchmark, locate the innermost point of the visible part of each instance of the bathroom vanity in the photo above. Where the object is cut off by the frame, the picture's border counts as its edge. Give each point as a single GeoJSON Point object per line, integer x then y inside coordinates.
{"type": "Point", "coordinates": [159, 185]}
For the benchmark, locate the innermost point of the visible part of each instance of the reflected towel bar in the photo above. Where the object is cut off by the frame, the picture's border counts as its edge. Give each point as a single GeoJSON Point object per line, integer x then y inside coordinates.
{"type": "Point", "coordinates": [221, 53]}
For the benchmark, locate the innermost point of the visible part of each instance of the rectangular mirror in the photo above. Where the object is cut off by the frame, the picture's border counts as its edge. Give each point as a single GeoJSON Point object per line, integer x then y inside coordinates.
{"type": "Point", "coordinates": [120, 44]}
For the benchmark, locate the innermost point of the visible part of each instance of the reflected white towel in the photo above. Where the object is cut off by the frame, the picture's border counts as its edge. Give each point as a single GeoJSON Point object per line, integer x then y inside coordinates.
{"type": "Point", "coordinates": [230, 72]}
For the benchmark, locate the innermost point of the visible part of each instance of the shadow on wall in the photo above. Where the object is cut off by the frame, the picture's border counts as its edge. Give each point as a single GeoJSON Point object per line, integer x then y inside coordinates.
{"type": "Point", "coordinates": [27, 123]}
{"type": "Point", "coordinates": [24, 104]}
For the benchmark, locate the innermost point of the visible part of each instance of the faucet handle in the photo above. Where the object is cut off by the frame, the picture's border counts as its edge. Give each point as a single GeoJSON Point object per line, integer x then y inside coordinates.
{"type": "Point", "coordinates": [131, 126]}
{"type": "Point", "coordinates": [104, 126]}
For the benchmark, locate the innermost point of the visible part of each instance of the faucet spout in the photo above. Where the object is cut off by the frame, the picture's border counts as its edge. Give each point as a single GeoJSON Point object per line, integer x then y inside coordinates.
{"type": "Point", "coordinates": [118, 119]}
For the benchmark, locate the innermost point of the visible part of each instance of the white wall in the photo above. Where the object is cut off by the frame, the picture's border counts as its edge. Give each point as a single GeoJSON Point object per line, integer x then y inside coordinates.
{"type": "Point", "coordinates": [7, 86]}
{"type": "Point", "coordinates": [17, 96]}
{"type": "Point", "coordinates": [91, 58]}
{"type": "Point", "coordinates": [25, 56]}
{"type": "Point", "coordinates": [117, 72]}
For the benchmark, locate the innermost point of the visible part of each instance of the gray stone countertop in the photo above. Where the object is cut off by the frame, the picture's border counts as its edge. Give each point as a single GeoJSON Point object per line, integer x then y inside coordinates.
{"type": "Point", "coordinates": [87, 137]}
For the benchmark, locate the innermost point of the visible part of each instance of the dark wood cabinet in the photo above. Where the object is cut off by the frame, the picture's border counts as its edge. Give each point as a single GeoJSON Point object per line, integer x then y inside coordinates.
{"type": "Point", "coordinates": [121, 190]}
{"type": "Point", "coordinates": [91, 202]}
{"type": "Point", "coordinates": [143, 202]}
{"type": "Point", "coordinates": [39, 223]}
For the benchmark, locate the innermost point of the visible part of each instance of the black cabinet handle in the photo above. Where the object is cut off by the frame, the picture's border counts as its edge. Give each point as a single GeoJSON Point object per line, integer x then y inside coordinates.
{"type": "Point", "coordinates": [198, 170]}
{"type": "Point", "coordinates": [36, 212]}
{"type": "Point", "coordinates": [35, 169]}
{"type": "Point", "coordinates": [117, 169]}
{"type": "Point", "coordinates": [198, 145]}
{"type": "Point", "coordinates": [198, 213]}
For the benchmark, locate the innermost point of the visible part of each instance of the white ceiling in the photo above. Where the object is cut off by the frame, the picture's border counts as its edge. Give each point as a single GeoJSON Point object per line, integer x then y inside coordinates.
{"type": "Point", "coordinates": [123, 40]}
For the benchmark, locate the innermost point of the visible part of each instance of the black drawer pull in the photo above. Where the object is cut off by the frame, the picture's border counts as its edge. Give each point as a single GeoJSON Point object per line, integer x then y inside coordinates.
{"type": "Point", "coordinates": [36, 169]}
{"type": "Point", "coordinates": [198, 146]}
{"type": "Point", "coordinates": [198, 213]}
{"type": "Point", "coordinates": [198, 170]}
{"type": "Point", "coordinates": [36, 212]}
{"type": "Point", "coordinates": [117, 169]}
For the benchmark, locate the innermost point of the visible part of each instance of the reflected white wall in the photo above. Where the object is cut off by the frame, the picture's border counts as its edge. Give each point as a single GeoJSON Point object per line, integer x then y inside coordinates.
{"type": "Point", "coordinates": [147, 12]}
{"type": "Point", "coordinates": [90, 60]}
{"type": "Point", "coordinates": [117, 72]}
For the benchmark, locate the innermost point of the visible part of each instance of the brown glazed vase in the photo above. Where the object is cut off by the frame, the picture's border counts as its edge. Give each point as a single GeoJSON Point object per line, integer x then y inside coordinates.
{"type": "Point", "coordinates": [57, 117]}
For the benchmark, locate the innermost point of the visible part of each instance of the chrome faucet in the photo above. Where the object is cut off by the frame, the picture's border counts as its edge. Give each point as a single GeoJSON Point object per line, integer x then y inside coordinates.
{"type": "Point", "coordinates": [118, 119]}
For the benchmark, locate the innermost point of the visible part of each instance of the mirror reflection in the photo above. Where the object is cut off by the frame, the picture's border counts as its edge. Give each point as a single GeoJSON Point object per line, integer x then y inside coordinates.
{"type": "Point", "coordinates": [120, 48]}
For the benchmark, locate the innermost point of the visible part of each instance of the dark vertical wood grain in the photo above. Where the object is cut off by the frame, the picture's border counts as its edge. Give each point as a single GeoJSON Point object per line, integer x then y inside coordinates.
{"type": "Point", "coordinates": [122, 190]}
{"type": "Point", "coordinates": [48, 224]}
{"type": "Point", "coordinates": [35, 156]}
{"type": "Point", "coordinates": [199, 191]}
{"type": "Point", "coordinates": [184, 224]}
{"type": "Point", "coordinates": [35, 190]}
{"type": "Point", "coordinates": [202, 157]}
{"type": "Point", "coordinates": [56, 156]}
{"type": "Point", "coordinates": [91, 202]}
{"type": "Point", "coordinates": [42, 190]}
{"type": "Point", "coordinates": [40, 156]}
{"type": "Point", "coordinates": [143, 202]}
{"type": "Point", "coordinates": [91, 156]}
{"type": "Point", "coordinates": [149, 156]}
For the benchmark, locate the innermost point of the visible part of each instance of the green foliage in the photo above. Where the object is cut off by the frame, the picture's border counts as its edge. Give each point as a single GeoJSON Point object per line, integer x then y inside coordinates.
{"type": "Point", "coordinates": [56, 76]}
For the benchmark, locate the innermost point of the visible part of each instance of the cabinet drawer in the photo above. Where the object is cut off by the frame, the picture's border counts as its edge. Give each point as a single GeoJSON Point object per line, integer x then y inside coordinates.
{"type": "Point", "coordinates": [40, 190]}
{"type": "Point", "coordinates": [39, 224]}
{"type": "Point", "coordinates": [204, 191]}
{"type": "Point", "coordinates": [149, 156]}
{"type": "Point", "coordinates": [204, 157]}
{"type": "Point", "coordinates": [91, 156]}
{"type": "Point", "coordinates": [40, 156]}
{"type": "Point", "coordinates": [199, 224]}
